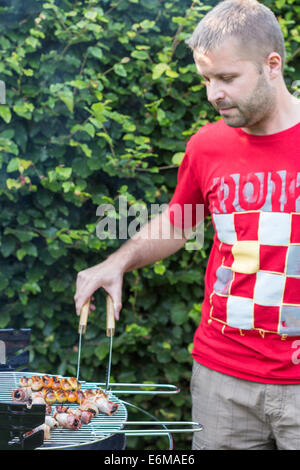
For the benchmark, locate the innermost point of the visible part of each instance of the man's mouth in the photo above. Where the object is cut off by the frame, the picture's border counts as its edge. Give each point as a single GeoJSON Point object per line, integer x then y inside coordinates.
{"type": "Point", "coordinates": [225, 111]}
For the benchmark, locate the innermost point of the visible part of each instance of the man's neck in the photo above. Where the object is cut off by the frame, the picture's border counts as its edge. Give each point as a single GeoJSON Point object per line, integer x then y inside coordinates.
{"type": "Point", "coordinates": [285, 116]}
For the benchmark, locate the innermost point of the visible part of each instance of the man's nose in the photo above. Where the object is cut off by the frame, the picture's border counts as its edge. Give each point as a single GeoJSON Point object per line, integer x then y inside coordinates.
{"type": "Point", "coordinates": [215, 92]}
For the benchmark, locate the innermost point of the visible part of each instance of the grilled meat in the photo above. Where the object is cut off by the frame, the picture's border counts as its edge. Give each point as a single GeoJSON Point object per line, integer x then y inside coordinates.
{"type": "Point", "coordinates": [53, 382]}
{"type": "Point", "coordinates": [67, 420]}
{"type": "Point", "coordinates": [100, 399]}
{"type": "Point", "coordinates": [62, 390]}
{"type": "Point", "coordinates": [85, 416]}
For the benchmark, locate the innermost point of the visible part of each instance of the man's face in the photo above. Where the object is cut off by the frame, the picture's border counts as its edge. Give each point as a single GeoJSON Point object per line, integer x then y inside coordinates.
{"type": "Point", "coordinates": [235, 86]}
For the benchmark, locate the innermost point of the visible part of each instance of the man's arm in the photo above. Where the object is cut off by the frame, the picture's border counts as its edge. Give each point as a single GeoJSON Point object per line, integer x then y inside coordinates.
{"type": "Point", "coordinates": [156, 240]}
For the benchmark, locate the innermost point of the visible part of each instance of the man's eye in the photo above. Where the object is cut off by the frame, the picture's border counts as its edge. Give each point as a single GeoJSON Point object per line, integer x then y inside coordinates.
{"type": "Point", "coordinates": [227, 79]}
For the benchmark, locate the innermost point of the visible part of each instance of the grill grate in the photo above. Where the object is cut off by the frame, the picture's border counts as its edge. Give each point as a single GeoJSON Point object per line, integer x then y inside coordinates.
{"type": "Point", "coordinates": [99, 428]}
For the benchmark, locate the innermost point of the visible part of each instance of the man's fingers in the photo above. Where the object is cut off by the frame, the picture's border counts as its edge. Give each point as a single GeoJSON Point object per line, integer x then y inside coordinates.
{"type": "Point", "coordinates": [89, 280]}
{"type": "Point", "coordinates": [116, 295]}
{"type": "Point", "coordinates": [84, 292]}
{"type": "Point", "coordinates": [117, 307]}
{"type": "Point", "coordinates": [80, 302]}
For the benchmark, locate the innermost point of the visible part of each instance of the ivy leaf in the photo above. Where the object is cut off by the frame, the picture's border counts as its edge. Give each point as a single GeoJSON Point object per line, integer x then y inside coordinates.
{"type": "Point", "coordinates": [96, 52]}
{"type": "Point", "coordinates": [177, 158]}
{"type": "Point", "coordinates": [98, 110]}
{"type": "Point", "coordinates": [120, 70]}
{"type": "Point", "coordinates": [8, 246]}
{"type": "Point", "coordinates": [158, 70]}
{"type": "Point", "coordinates": [159, 268]}
{"type": "Point", "coordinates": [3, 282]}
{"type": "Point", "coordinates": [21, 253]}
{"type": "Point", "coordinates": [24, 110]}
{"type": "Point", "coordinates": [13, 165]}
{"type": "Point", "coordinates": [4, 319]}
{"type": "Point", "coordinates": [141, 55]}
{"type": "Point", "coordinates": [179, 313]}
{"type": "Point", "coordinates": [67, 97]}
{"type": "Point", "coordinates": [63, 173]}
{"type": "Point", "coordinates": [18, 164]}
{"type": "Point", "coordinates": [22, 235]}
{"type": "Point", "coordinates": [80, 84]}
{"type": "Point", "coordinates": [7, 145]}
{"type": "Point", "coordinates": [65, 238]}
{"type": "Point", "coordinates": [5, 113]}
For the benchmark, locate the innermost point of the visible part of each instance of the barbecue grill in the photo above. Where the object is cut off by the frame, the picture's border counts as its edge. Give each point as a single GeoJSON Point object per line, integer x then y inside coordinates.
{"type": "Point", "coordinates": [102, 433]}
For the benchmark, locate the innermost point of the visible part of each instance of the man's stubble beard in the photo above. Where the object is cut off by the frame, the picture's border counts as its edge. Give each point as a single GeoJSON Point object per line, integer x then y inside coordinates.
{"type": "Point", "coordinates": [255, 108]}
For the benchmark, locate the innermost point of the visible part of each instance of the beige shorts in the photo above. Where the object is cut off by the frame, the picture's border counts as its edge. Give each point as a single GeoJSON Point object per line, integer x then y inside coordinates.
{"type": "Point", "coordinates": [238, 414]}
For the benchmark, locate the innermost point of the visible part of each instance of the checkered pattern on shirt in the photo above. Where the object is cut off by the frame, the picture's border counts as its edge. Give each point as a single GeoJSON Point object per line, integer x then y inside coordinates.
{"type": "Point", "coordinates": [258, 281]}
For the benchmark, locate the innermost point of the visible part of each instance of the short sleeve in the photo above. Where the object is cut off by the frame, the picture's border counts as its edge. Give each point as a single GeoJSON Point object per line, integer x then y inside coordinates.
{"type": "Point", "coordinates": [186, 208]}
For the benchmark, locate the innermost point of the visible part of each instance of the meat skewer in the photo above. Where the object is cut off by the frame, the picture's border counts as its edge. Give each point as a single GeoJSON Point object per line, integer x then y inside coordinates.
{"type": "Point", "coordinates": [61, 396]}
{"type": "Point", "coordinates": [45, 427]}
{"type": "Point", "coordinates": [49, 424]}
{"type": "Point", "coordinates": [22, 395]}
{"type": "Point", "coordinates": [41, 390]}
{"type": "Point", "coordinates": [46, 395]}
{"type": "Point", "coordinates": [91, 403]}
{"type": "Point", "coordinates": [81, 415]}
{"type": "Point", "coordinates": [90, 400]}
{"type": "Point", "coordinates": [27, 396]}
{"type": "Point", "coordinates": [84, 415]}
{"type": "Point", "coordinates": [67, 420]}
{"type": "Point", "coordinates": [99, 399]}
{"type": "Point", "coordinates": [66, 417]}
{"type": "Point", "coordinates": [37, 383]}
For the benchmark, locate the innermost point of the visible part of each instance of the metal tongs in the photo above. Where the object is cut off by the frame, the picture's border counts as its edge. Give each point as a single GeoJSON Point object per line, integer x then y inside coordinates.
{"type": "Point", "coordinates": [81, 330]}
{"type": "Point", "coordinates": [110, 331]}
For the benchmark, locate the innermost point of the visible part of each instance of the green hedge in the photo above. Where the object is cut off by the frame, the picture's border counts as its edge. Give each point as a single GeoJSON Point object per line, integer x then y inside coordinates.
{"type": "Point", "coordinates": [102, 96]}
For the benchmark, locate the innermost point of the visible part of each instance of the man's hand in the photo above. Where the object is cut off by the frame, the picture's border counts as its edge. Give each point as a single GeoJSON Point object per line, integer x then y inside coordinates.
{"type": "Point", "coordinates": [156, 240]}
{"type": "Point", "coordinates": [105, 275]}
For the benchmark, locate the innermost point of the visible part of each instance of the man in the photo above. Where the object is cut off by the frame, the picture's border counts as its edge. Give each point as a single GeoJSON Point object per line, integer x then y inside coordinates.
{"type": "Point", "coordinates": [245, 169]}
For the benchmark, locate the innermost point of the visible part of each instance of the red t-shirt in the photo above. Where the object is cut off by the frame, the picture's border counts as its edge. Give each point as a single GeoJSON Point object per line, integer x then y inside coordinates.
{"type": "Point", "coordinates": [250, 185]}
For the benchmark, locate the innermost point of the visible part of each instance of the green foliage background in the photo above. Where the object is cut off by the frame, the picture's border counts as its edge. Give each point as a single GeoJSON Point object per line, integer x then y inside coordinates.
{"type": "Point", "coordinates": [102, 96]}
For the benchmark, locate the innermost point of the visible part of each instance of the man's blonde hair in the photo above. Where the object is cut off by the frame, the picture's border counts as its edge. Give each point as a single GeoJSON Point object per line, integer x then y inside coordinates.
{"type": "Point", "coordinates": [251, 22]}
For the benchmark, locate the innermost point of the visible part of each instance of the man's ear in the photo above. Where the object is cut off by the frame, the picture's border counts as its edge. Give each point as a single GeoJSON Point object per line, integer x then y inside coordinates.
{"type": "Point", "coordinates": [273, 63]}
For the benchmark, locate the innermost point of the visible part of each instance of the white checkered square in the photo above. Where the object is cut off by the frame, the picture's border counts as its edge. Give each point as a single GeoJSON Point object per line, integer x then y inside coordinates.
{"type": "Point", "coordinates": [293, 261]}
{"type": "Point", "coordinates": [274, 228]}
{"type": "Point", "coordinates": [290, 320]}
{"type": "Point", "coordinates": [225, 228]}
{"type": "Point", "coordinates": [240, 312]}
{"type": "Point", "coordinates": [269, 288]}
